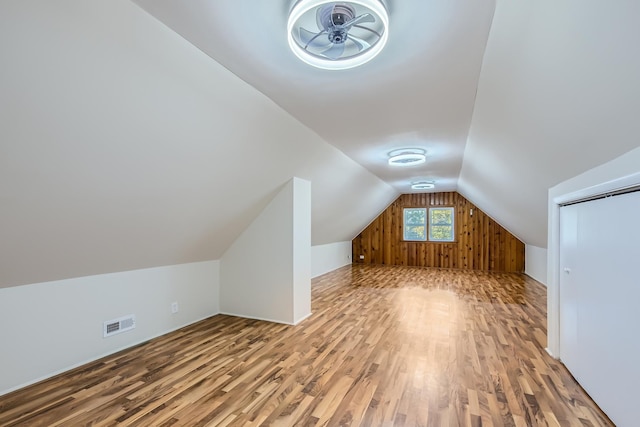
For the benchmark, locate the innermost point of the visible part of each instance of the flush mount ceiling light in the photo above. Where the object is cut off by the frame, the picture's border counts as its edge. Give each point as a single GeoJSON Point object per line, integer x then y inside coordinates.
{"type": "Point", "coordinates": [423, 185]}
{"type": "Point", "coordinates": [337, 35]}
{"type": "Point", "coordinates": [407, 157]}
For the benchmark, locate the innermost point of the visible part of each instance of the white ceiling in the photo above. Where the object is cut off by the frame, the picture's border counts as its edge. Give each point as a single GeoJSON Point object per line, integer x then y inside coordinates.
{"type": "Point", "coordinates": [419, 92]}
{"type": "Point", "coordinates": [123, 146]}
{"type": "Point", "coordinates": [559, 94]}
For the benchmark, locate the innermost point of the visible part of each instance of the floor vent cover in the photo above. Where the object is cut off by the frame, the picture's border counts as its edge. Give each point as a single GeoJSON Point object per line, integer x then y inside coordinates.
{"type": "Point", "coordinates": [121, 324]}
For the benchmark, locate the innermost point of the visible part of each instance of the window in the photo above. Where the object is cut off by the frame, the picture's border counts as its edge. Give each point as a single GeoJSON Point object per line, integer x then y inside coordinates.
{"type": "Point", "coordinates": [438, 228]}
{"type": "Point", "coordinates": [441, 225]}
{"type": "Point", "coordinates": [415, 224]}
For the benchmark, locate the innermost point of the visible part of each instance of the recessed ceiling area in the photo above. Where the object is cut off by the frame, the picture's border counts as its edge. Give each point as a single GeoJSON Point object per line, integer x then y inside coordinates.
{"type": "Point", "coordinates": [418, 92]}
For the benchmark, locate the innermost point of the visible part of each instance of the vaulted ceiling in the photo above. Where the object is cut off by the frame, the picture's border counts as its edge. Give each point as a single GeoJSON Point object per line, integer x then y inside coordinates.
{"type": "Point", "coordinates": [419, 92]}
{"type": "Point", "coordinates": [147, 134]}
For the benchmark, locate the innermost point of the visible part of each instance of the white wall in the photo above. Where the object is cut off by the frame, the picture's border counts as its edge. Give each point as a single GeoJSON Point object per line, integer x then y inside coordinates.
{"type": "Point", "coordinates": [50, 327]}
{"type": "Point", "coordinates": [301, 249]}
{"type": "Point", "coordinates": [115, 129]}
{"type": "Point", "coordinates": [558, 94]}
{"type": "Point", "coordinates": [621, 171]}
{"type": "Point", "coordinates": [326, 258]}
{"type": "Point", "coordinates": [258, 272]}
{"type": "Point", "coordinates": [535, 263]}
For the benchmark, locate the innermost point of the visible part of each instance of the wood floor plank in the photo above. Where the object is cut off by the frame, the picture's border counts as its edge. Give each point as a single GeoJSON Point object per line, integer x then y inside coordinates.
{"type": "Point", "coordinates": [386, 346]}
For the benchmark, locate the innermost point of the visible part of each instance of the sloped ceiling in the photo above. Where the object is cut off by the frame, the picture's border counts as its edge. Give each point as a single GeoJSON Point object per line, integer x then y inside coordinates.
{"type": "Point", "coordinates": [124, 145]}
{"type": "Point", "coordinates": [559, 94]}
{"type": "Point", "coordinates": [419, 92]}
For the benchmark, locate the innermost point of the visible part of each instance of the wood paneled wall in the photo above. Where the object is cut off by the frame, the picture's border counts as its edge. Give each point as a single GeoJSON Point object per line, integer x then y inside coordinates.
{"type": "Point", "coordinates": [481, 243]}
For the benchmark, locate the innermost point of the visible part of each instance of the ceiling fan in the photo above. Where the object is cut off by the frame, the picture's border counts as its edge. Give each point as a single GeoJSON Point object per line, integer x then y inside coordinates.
{"type": "Point", "coordinates": [337, 35]}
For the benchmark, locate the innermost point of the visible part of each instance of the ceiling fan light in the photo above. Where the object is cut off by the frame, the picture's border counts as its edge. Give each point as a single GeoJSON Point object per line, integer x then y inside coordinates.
{"type": "Point", "coordinates": [407, 157]}
{"type": "Point", "coordinates": [303, 8]}
{"type": "Point", "coordinates": [422, 185]}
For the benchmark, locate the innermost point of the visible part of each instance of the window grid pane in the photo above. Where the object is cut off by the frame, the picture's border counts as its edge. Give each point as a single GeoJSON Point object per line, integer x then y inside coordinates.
{"type": "Point", "coordinates": [415, 224]}
{"type": "Point", "coordinates": [441, 225]}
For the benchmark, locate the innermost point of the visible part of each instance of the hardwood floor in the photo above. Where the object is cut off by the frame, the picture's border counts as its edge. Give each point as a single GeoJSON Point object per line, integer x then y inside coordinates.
{"type": "Point", "coordinates": [385, 346]}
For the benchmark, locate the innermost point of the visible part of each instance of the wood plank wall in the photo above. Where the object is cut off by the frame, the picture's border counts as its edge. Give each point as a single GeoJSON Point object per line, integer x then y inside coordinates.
{"type": "Point", "coordinates": [481, 243]}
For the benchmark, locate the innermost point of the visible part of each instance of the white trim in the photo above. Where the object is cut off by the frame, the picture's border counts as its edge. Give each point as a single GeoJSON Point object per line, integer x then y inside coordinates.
{"type": "Point", "coordinates": [262, 319]}
{"type": "Point", "coordinates": [553, 282]}
{"type": "Point", "coordinates": [297, 322]}
{"type": "Point", "coordinates": [626, 182]}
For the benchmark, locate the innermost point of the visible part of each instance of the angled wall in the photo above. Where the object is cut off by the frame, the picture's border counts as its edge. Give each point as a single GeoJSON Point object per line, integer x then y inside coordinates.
{"type": "Point", "coordinates": [266, 273]}
{"type": "Point", "coordinates": [481, 243]}
{"type": "Point", "coordinates": [558, 94]}
{"type": "Point", "coordinates": [124, 147]}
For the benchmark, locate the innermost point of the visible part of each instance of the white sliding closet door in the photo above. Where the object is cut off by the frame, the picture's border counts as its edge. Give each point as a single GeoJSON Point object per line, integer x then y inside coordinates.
{"type": "Point", "coordinates": [600, 301]}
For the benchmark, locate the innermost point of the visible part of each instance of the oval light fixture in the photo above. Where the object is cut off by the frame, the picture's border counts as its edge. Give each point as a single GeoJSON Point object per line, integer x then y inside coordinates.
{"type": "Point", "coordinates": [423, 185]}
{"type": "Point", "coordinates": [337, 35]}
{"type": "Point", "coordinates": [407, 157]}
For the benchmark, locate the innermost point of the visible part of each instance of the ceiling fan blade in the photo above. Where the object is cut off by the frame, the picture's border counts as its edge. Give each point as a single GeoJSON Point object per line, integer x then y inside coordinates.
{"type": "Point", "coordinates": [314, 40]}
{"type": "Point", "coordinates": [368, 29]}
{"type": "Point", "coordinates": [362, 45]}
{"type": "Point", "coordinates": [366, 17]}
{"type": "Point", "coordinates": [334, 51]}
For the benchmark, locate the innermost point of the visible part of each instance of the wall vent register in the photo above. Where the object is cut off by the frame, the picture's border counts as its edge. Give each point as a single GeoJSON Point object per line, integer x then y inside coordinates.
{"type": "Point", "coordinates": [119, 325]}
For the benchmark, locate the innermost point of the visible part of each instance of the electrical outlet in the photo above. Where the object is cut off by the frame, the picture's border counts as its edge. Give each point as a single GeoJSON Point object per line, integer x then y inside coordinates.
{"type": "Point", "coordinates": [174, 307]}
{"type": "Point", "coordinates": [361, 256]}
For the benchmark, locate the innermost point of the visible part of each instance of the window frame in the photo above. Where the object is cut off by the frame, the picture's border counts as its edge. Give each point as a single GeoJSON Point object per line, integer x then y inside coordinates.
{"type": "Point", "coordinates": [453, 224]}
{"type": "Point", "coordinates": [428, 224]}
{"type": "Point", "coordinates": [425, 224]}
